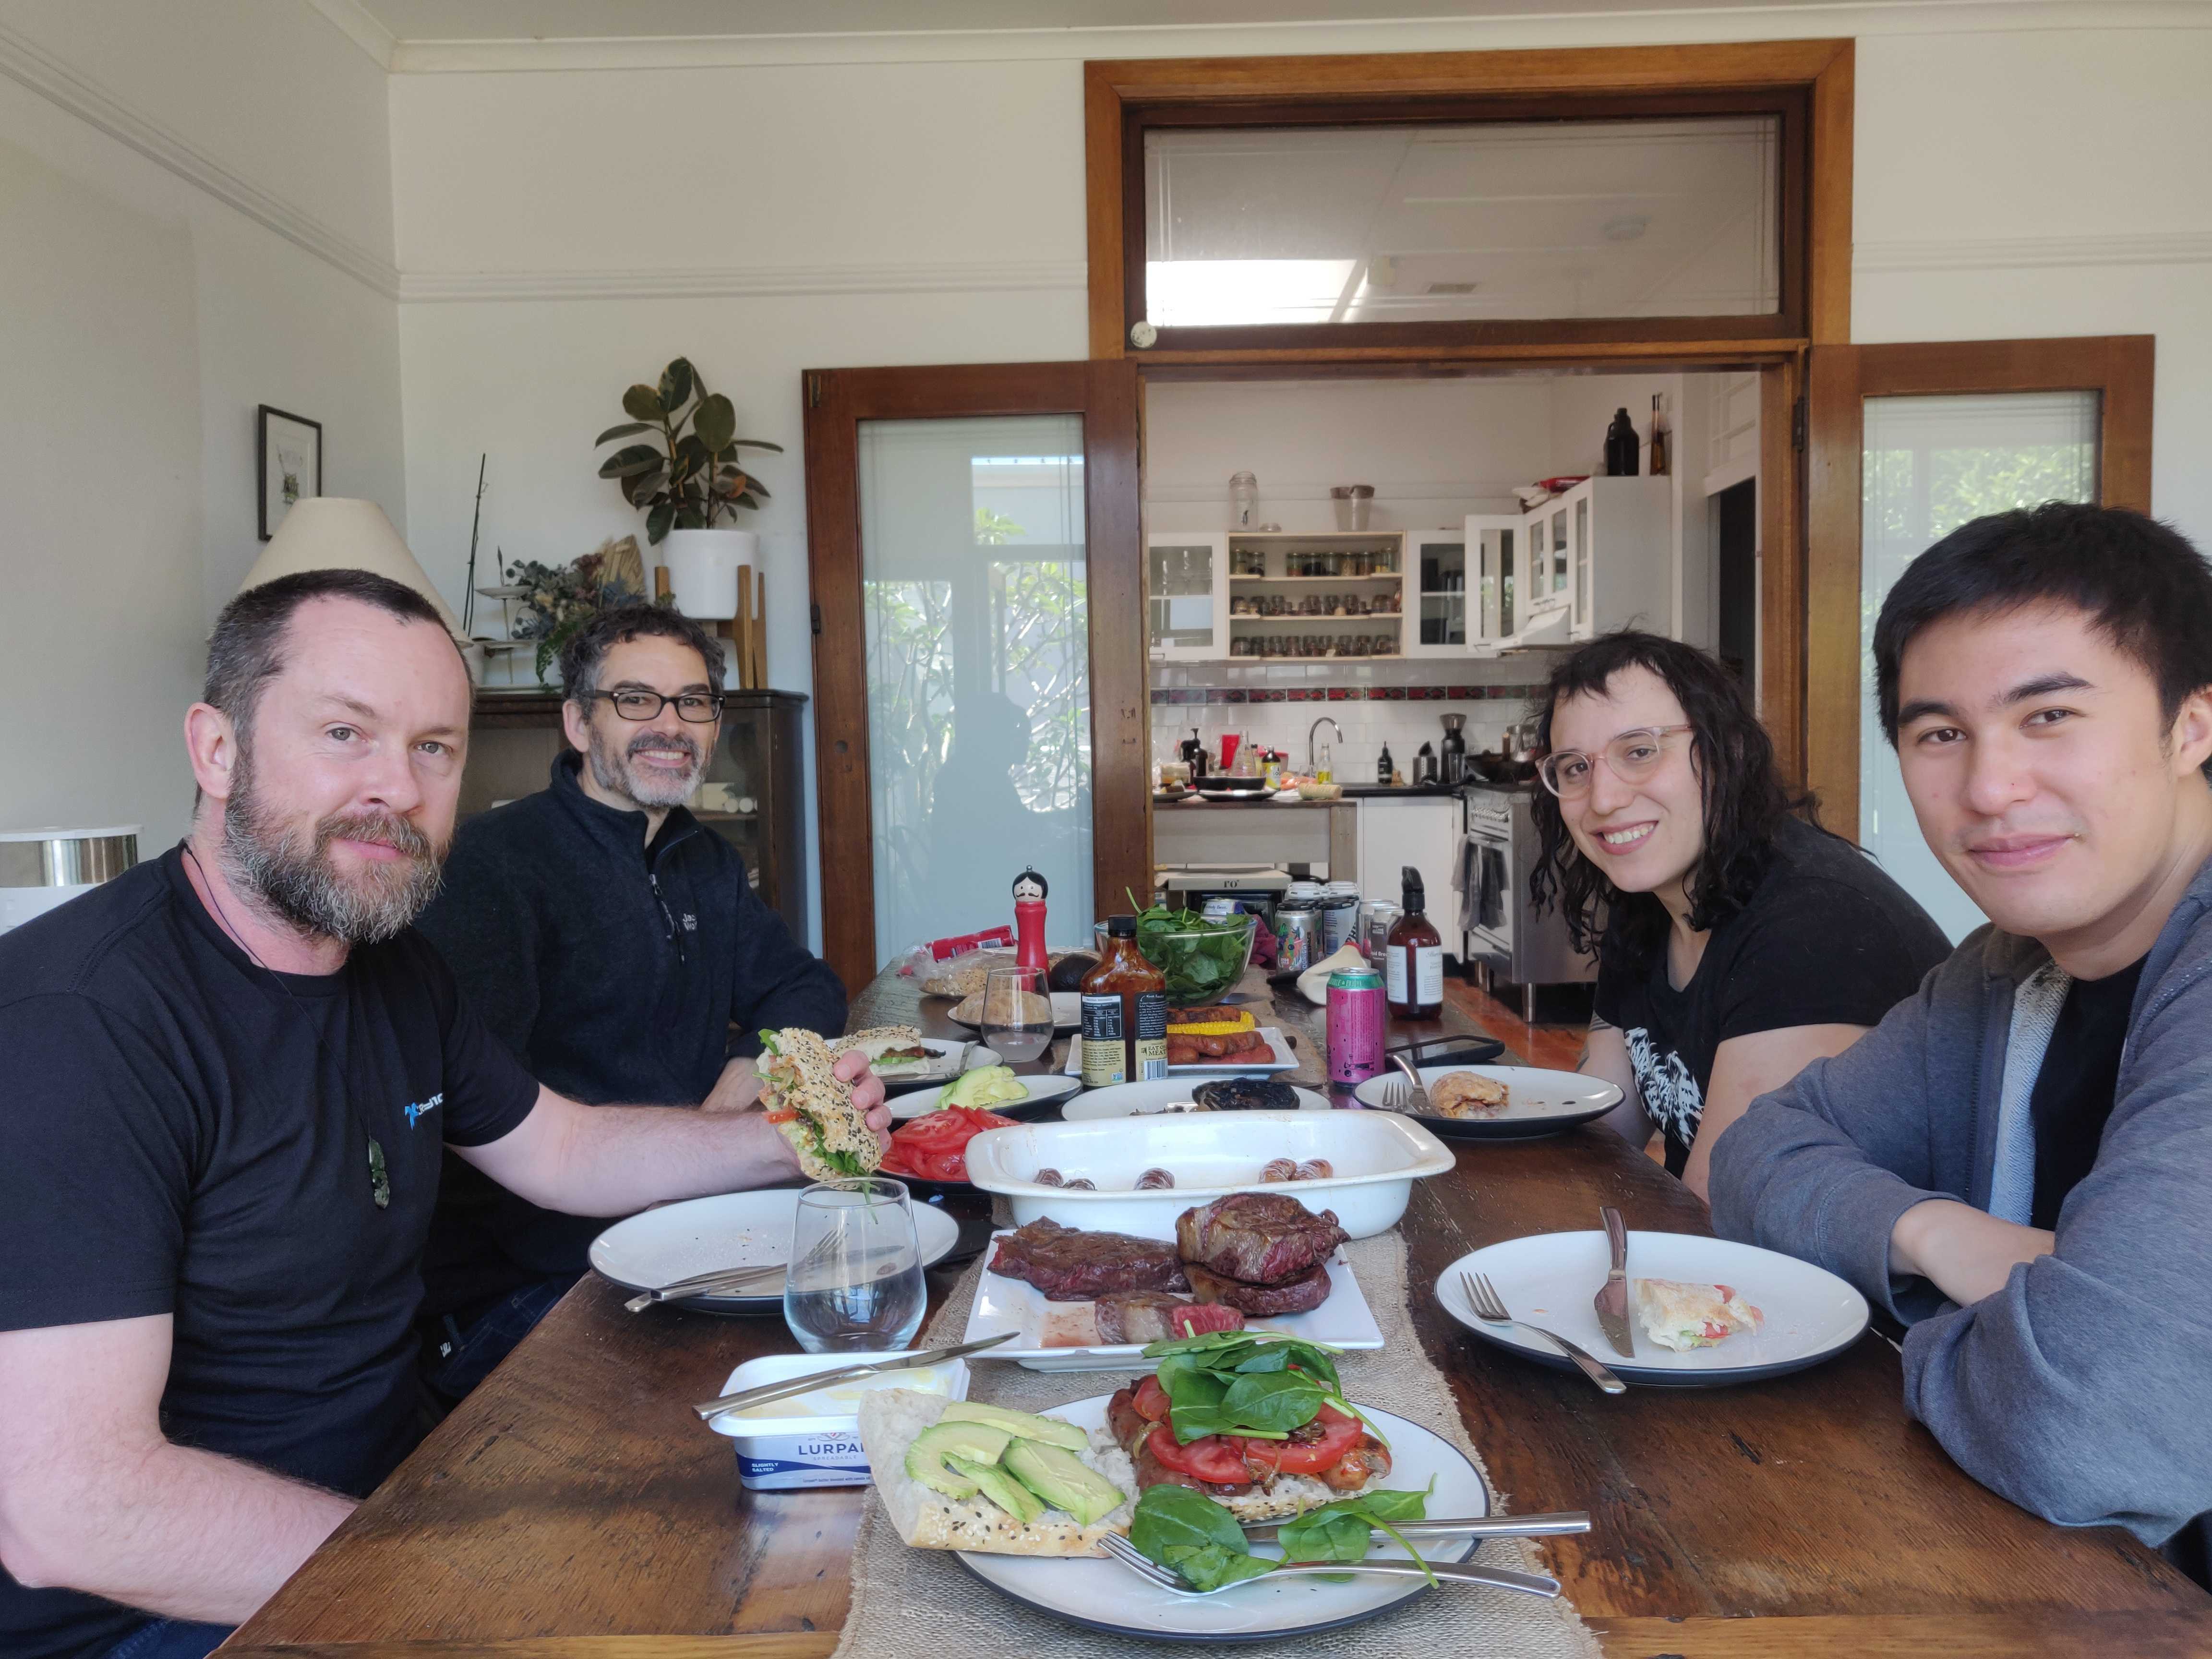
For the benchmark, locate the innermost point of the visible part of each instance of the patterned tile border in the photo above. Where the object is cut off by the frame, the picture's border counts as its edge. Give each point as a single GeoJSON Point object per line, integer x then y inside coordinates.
{"type": "Point", "coordinates": [1216, 694]}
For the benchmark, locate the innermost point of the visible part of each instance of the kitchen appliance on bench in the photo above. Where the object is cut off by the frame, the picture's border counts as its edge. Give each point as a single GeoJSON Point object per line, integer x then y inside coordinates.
{"type": "Point", "coordinates": [1505, 939]}
{"type": "Point", "coordinates": [1258, 888]}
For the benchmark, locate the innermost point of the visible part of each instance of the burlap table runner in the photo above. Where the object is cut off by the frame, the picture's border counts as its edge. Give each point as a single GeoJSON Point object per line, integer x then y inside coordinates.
{"type": "Point", "coordinates": [922, 1604]}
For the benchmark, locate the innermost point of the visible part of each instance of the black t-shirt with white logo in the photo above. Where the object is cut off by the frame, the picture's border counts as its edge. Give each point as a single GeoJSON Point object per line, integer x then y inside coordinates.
{"type": "Point", "coordinates": [1827, 939]}
{"type": "Point", "coordinates": [184, 1133]}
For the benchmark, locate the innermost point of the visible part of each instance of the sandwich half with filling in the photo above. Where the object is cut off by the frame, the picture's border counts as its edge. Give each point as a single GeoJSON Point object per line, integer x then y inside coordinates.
{"type": "Point", "coordinates": [813, 1108]}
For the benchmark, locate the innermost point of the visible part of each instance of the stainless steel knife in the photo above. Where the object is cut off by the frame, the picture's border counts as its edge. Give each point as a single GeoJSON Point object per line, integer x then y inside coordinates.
{"type": "Point", "coordinates": [1611, 1299]}
{"type": "Point", "coordinates": [710, 1409]}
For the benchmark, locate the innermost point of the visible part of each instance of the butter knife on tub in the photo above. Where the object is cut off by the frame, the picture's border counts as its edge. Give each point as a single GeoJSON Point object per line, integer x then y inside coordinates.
{"type": "Point", "coordinates": [711, 1409]}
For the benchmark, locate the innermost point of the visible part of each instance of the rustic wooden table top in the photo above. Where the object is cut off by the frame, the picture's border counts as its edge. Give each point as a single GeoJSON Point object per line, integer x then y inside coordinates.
{"type": "Point", "coordinates": [575, 1508]}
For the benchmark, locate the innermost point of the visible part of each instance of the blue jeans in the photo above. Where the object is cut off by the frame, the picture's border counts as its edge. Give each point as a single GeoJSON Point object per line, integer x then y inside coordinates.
{"type": "Point", "coordinates": [472, 1351]}
{"type": "Point", "coordinates": [169, 1638]}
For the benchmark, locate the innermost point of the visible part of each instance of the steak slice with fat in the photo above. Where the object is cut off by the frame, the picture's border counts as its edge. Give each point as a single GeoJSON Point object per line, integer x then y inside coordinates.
{"type": "Point", "coordinates": [1258, 1237]}
{"type": "Point", "coordinates": [1299, 1293]}
{"type": "Point", "coordinates": [1154, 1317]}
{"type": "Point", "coordinates": [1070, 1265]}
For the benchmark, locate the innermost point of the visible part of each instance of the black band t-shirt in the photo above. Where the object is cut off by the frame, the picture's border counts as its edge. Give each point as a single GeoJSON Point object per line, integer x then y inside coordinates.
{"type": "Point", "coordinates": [1827, 939]}
{"type": "Point", "coordinates": [184, 1132]}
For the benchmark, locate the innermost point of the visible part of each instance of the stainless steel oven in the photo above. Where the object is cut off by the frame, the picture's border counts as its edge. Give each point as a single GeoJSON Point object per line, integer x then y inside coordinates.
{"type": "Point", "coordinates": [1504, 938]}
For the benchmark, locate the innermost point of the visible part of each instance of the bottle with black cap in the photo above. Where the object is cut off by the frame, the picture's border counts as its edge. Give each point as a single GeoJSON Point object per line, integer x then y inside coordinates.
{"type": "Point", "coordinates": [1413, 958]}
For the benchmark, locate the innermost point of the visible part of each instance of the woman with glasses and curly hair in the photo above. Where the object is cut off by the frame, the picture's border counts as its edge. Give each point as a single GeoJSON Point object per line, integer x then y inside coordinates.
{"type": "Point", "coordinates": [1736, 940]}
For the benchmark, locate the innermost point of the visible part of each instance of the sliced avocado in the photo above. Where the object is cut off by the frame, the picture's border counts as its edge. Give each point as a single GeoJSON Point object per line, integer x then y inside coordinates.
{"type": "Point", "coordinates": [1023, 1425]}
{"type": "Point", "coordinates": [976, 1442]}
{"type": "Point", "coordinates": [986, 1086]}
{"type": "Point", "coordinates": [1001, 1488]}
{"type": "Point", "coordinates": [1062, 1480]}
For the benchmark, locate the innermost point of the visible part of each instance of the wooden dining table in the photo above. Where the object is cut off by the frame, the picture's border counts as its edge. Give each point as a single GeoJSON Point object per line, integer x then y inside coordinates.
{"type": "Point", "coordinates": [573, 1507]}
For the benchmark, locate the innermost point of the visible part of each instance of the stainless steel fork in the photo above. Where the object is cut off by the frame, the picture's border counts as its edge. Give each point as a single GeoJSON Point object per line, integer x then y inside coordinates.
{"type": "Point", "coordinates": [1406, 1094]}
{"type": "Point", "coordinates": [1450, 1572]}
{"type": "Point", "coordinates": [1490, 1308]}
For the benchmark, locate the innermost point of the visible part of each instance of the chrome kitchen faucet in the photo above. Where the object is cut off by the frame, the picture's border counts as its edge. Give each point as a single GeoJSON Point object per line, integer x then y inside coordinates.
{"type": "Point", "coordinates": [1332, 725]}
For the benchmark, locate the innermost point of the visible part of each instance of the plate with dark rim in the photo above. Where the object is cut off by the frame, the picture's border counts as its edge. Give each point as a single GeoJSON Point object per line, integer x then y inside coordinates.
{"type": "Point", "coordinates": [731, 1230]}
{"type": "Point", "coordinates": [1102, 1594]}
{"type": "Point", "coordinates": [1537, 1103]}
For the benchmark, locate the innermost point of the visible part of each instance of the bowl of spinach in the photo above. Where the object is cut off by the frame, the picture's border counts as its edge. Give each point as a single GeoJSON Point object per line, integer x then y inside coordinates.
{"type": "Point", "coordinates": [1201, 959]}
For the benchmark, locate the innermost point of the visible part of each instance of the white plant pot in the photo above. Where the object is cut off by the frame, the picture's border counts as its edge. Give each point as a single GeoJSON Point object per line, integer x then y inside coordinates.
{"type": "Point", "coordinates": [702, 569]}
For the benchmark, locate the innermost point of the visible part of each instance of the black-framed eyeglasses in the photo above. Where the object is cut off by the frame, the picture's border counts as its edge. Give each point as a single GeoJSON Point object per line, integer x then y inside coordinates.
{"type": "Point", "coordinates": [695, 707]}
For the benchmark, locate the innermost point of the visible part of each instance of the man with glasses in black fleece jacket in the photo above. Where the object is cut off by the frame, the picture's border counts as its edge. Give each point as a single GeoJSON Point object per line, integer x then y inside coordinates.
{"type": "Point", "coordinates": [612, 942]}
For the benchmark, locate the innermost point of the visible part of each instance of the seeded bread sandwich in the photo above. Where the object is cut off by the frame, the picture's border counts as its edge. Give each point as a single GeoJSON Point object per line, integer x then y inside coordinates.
{"type": "Point", "coordinates": [813, 1107]}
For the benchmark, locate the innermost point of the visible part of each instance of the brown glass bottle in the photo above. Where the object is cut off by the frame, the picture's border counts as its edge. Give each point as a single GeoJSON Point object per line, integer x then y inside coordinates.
{"type": "Point", "coordinates": [1124, 1012]}
{"type": "Point", "coordinates": [1413, 958]}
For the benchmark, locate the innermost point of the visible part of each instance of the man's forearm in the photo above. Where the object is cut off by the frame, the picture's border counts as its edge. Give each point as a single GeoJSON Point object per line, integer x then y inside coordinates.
{"type": "Point", "coordinates": [617, 1160]}
{"type": "Point", "coordinates": [179, 1532]}
{"type": "Point", "coordinates": [1966, 1253]}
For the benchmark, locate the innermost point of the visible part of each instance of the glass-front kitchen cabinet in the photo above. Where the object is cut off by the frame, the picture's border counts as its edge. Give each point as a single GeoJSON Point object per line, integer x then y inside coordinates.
{"type": "Point", "coordinates": [1597, 558]}
{"type": "Point", "coordinates": [1187, 595]}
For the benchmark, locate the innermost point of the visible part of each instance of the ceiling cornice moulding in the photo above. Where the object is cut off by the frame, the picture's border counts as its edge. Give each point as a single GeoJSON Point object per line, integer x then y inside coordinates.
{"type": "Point", "coordinates": [353, 20]}
{"type": "Point", "coordinates": [2030, 253]}
{"type": "Point", "coordinates": [25, 63]}
{"type": "Point", "coordinates": [1686, 25]}
{"type": "Point", "coordinates": [745, 282]}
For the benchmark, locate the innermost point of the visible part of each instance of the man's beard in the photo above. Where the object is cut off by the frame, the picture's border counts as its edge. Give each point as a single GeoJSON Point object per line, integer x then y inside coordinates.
{"type": "Point", "coordinates": [302, 884]}
{"type": "Point", "coordinates": [615, 772]}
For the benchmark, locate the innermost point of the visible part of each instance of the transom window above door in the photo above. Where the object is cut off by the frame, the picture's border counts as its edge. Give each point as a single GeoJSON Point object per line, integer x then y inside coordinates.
{"type": "Point", "coordinates": [1257, 225]}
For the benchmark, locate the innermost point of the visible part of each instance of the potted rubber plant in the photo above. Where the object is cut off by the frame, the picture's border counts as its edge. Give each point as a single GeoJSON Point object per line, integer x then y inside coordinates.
{"type": "Point", "coordinates": [688, 480]}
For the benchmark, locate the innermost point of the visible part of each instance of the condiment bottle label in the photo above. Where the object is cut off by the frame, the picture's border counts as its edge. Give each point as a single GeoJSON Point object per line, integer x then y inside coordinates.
{"type": "Point", "coordinates": [1428, 975]}
{"type": "Point", "coordinates": [1152, 1035]}
{"type": "Point", "coordinates": [1103, 1048]}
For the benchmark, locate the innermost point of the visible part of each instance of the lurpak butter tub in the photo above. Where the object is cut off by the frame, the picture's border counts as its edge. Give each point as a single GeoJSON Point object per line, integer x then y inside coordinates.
{"type": "Point", "coordinates": [814, 1439]}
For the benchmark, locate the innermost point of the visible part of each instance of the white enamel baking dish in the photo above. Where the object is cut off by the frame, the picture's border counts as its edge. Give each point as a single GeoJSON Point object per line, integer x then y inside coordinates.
{"type": "Point", "coordinates": [1376, 1157]}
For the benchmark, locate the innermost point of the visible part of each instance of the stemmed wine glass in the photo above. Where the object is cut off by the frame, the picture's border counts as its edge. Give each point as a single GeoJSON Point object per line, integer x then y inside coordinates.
{"type": "Point", "coordinates": [855, 1283]}
{"type": "Point", "coordinates": [1017, 1018]}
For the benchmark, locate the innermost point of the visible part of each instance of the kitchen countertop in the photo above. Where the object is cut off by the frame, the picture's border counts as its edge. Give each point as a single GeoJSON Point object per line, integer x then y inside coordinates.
{"type": "Point", "coordinates": [1351, 792]}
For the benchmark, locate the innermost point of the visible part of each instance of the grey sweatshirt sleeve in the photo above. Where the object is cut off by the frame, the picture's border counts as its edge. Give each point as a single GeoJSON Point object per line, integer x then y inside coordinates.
{"type": "Point", "coordinates": [2078, 1391]}
{"type": "Point", "coordinates": [1821, 1167]}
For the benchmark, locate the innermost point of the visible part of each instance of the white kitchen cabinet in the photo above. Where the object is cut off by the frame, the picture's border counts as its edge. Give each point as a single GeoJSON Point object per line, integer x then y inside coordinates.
{"type": "Point", "coordinates": [1420, 831]}
{"type": "Point", "coordinates": [1495, 545]}
{"type": "Point", "coordinates": [1187, 596]}
{"type": "Point", "coordinates": [1445, 618]}
{"type": "Point", "coordinates": [1584, 564]}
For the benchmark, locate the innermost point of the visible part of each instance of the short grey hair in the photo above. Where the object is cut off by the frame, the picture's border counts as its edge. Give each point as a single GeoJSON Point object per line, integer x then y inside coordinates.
{"type": "Point", "coordinates": [588, 647]}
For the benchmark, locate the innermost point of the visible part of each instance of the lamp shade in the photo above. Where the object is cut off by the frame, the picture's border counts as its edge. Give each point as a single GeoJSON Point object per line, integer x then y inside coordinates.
{"type": "Point", "coordinates": [336, 532]}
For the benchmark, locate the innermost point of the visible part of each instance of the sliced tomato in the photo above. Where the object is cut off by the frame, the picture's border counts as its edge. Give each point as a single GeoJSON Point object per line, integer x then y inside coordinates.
{"type": "Point", "coordinates": [1213, 1457]}
{"type": "Point", "coordinates": [934, 1148]}
{"type": "Point", "coordinates": [1151, 1401]}
{"type": "Point", "coordinates": [1340, 1434]}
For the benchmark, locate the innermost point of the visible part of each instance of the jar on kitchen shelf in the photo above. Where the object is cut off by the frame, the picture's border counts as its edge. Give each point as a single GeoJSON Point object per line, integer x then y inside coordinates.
{"type": "Point", "coordinates": [1244, 500]}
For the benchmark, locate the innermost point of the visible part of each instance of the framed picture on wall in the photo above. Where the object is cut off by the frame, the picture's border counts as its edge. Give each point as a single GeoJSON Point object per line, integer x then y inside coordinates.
{"type": "Point", "coordinates": [288, 461]}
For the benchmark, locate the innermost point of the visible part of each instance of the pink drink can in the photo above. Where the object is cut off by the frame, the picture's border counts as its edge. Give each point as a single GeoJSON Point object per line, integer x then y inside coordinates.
{"type": "Point", "coordinates": [1357, 1010]}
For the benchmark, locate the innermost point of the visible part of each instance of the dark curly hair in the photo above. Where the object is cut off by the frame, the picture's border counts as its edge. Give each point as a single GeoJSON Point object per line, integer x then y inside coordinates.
{"type": "Point", "coordinates": [1745, 799]}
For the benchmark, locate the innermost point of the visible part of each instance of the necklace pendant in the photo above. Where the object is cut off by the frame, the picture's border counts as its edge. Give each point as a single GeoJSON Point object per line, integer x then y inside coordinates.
{"type": "Point", "coordinates": [380, 1181]}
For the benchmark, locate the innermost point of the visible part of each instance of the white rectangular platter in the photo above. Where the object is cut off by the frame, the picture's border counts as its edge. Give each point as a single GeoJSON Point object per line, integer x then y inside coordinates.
{"type": "Point", "coordinates": [1345, 1320]}
{"type": "Point", "coordinates": [1285, 1060]}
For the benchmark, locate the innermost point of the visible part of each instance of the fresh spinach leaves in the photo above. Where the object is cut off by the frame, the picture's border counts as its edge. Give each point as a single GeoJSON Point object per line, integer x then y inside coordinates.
{"type": "Point", "coordinates": [1239, 1382]}
{"type": "Point", "coordinates": [1190, 1533]}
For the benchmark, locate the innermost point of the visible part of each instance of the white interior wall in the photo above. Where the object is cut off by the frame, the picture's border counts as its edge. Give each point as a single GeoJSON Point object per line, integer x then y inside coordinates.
{"type": "Point", "coordinates": [128, 105]}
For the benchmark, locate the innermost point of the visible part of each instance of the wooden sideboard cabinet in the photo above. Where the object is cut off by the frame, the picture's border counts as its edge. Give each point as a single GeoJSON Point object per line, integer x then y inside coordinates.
{"type": "Point", "coordinates": [513, 737]}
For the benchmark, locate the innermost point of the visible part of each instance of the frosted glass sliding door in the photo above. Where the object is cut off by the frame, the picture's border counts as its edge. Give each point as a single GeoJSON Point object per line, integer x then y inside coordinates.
{"type": "Point", "coordinates": [1929, 464]}
{"type": "Point", "coordinates": [977, 636]}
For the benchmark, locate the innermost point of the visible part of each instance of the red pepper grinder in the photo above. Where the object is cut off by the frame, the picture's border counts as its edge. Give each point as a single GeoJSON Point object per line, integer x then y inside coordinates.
{"type": "Point", "coordinates": [1029, 889]}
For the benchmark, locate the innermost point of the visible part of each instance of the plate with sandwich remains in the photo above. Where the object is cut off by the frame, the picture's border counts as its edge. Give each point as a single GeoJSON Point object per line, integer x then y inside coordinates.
{"type": "Point", "coordinates": [905, 1061]}
{"type": "Point", "coordinates": [1702, 1312]}
{"type": "Point", "coordinates": [1500, 1102]}
{"type": "Point", "coordinates": [729, 1230]}
{"type": "Point", "coordinates": [1089, 1301]}
{"type": "Point", "coordinates": [1107, 1596]}
{"type": "Point", "coordinates": [1038, 1092]}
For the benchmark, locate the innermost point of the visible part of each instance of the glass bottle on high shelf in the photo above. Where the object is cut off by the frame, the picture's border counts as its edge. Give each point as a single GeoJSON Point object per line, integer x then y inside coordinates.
{"type": "Point", "coordinates": [1659, 444]}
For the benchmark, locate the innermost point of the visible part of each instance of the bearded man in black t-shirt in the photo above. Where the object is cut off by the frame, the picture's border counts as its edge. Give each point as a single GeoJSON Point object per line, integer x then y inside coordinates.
{"type": "Point", "coordinates": [230, 1076]}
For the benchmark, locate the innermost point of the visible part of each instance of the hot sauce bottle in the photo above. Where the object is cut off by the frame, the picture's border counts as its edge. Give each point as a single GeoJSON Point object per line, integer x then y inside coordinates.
{"type": "Point", "coordinates": [1124, 1012]}
{"type": "Point", "coordinates": [1413, 958]}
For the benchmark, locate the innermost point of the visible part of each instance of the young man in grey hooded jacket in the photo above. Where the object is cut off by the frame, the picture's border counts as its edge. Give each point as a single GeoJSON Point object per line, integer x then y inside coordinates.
{"type": "Point", "coordinates": [2017, 1162]}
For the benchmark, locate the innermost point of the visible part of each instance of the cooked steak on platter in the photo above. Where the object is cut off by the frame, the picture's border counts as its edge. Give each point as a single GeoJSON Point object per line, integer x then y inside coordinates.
{"type": "Point", "coordinates": [1260, 1237]}
{"type": "Point", "coordinates": [1070, 1265]}
{"type": "Point", "coordinates": [1154, 1317]}
{"type": "Point", "coordinates": [1301, 1292]}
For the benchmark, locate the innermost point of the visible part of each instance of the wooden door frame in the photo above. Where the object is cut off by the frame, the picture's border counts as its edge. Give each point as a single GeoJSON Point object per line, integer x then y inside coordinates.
{"type": "Point", "coordinates": [2116, 367]}
{"type": "Point", "coordinates": [1114, 92]}
{"type": "Point", "coordinates": [1104, 394]}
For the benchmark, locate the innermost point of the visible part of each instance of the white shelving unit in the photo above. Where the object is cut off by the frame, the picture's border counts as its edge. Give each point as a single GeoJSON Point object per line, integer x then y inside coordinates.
{"type": "Point", "coordinates": [1368, 564]}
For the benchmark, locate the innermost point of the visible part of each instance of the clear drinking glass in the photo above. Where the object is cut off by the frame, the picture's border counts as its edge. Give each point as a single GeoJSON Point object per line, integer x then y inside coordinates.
{"type": "Point", "coordinates": [855, 1282]}
{"type": "Point", "coordinates": [1017, 1018]}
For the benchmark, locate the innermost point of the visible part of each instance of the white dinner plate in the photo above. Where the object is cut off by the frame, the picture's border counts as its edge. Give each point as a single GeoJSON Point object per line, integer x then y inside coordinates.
{"type": "Point", "coordinates": [1106, 1595]}
{"type": "Point", "coordinates": [1548, 1279]}
{"type": "Point", "coordinates": [1344, 1320]}
{"type": "Point", "coordinates": [729, 1229]}
{"type": "Point", "coordinates": [1044, 1087]}
{"type": "Point", "coordinates": [1150, 1099]}
{"type": "Point", "coordinates": [1067, 1012]}
{"type": "Point", "coordinates": [1537, 1103]}
{"type": "Point", "coordinates": [1229, 1066]}
{"type": "Point", "coordinates": [943, 1065]}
